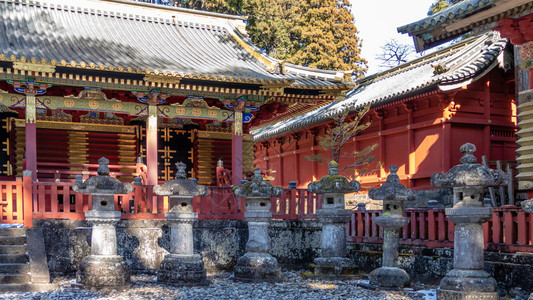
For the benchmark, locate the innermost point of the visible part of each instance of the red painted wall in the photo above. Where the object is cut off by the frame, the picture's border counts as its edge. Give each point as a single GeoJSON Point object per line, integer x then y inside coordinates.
{"type": "Point", "coordinates": [421, 135]}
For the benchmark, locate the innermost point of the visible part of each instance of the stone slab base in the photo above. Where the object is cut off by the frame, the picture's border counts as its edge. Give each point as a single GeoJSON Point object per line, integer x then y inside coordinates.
{"type": "Point", "coordinates": [29, 287]}
{"type": "Point", "coordinates": [257, 267]}
{"type": "Point", "coordinates": [460, 295]}
{"type": "Point", "coordinates": [468, 281]}
{"type": "Point", "coordinates": [389, 277]}
{"type": "Point", "coordinates": [182, 270]}
{"type": "Point", "coordinates": [333, 266]}
{"type": "Point", "coordinates": [102, 272]}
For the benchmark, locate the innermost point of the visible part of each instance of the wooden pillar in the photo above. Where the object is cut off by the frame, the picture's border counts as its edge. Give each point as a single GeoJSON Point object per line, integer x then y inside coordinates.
{"type": "Point", "coordinates": [446, 132]}
{"type": "Point", "coordinates": [28, 198]}
{"type": "Point", "coordinates": [31, 136]}
{"type": "Point", "coordinates": [382, 146]}
{"type": "Point", "coordinates": [486, 117]}
{"type": "Point", "coordinates": [411, 147]}
{"type": "Point", "coordinates": [236, 149]}
{"type": "Point", "coordinates": [151, 145]}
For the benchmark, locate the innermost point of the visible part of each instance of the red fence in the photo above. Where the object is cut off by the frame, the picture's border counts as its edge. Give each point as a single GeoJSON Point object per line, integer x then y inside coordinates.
{"type": "Point", "coordinates": [11, 201]}
{"type": "Point", "coordinates": [57, 200]}
{"type": "Point", "coordinates": [509, 230]}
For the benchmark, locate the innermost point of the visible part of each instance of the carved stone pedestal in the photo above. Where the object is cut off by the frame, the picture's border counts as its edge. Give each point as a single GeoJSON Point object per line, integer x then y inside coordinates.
{"type": "Point", "coordinates": [257, 265]}
{"type": "Point", "coordinates": [333, 261]}
{"type": "Point", "coordinates": [468, 279]}
{"type": "Point", "coordinates": [389, 275]}
{"type": "Point", "coordinates": [103, 268]}
{"type": "Point", "coordinates": [182, 266]}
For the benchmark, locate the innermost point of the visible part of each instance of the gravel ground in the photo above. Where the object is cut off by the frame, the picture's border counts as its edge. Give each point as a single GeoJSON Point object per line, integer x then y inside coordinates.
{"type": "Point", "coordinates": [223, 287]}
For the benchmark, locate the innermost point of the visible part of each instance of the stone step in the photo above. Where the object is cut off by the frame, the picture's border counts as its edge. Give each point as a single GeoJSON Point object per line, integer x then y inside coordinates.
{"type": "Point", "coordinates": [12, 240]}
{"type": "Point", "coordinates": [20, 268]}
{"type": "Point", "coordinates": [14, 278]}
{"type": "Point", "coordinates": [13, 258]}
{"type": "Point", "coordinates": [12, 231]}
{"type": "Point", "coordinates": [13, 249]}
{"type": "Point", "coordinates": [27, 287]}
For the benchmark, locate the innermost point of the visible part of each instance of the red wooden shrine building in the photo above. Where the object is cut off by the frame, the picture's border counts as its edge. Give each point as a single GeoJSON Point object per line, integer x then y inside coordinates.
{"type": "Point", "coordinates": [148, 86]}
{"type": "Point", "coordinates": [128, 80]}
{"type": "Point", "coordinates": [421, 112]}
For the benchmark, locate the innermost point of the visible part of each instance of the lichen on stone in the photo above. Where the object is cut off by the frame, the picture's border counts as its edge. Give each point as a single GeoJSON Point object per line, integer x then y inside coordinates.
{"type": "Point", "coordinates": [257, 187]}
{"type": "Point", "coordinates": [333, 183]}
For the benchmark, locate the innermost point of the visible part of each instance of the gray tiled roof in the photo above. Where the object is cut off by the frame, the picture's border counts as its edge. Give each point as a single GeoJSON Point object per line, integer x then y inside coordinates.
{"type": "Point", "coordinates": [456, 11]}
{"type": "Point", "coordinates": [461, 64]}
{"type": "Point", "coordinates": [139, 36]}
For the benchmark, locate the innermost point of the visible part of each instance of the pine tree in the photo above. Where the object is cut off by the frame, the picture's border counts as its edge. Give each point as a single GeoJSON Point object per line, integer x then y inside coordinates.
{"type": "Point", "coordinates": [271, 26]}
{"type": "Point", "coordinates": [327, 37]}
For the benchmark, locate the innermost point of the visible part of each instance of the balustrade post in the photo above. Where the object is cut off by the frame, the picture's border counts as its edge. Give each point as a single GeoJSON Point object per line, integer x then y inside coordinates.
{"type": "Point", "coordinates": [27, 191]}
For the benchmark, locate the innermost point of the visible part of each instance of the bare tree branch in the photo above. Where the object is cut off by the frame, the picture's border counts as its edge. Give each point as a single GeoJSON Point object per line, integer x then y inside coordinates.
{"type": "Point", "coordinates": [394, 53]}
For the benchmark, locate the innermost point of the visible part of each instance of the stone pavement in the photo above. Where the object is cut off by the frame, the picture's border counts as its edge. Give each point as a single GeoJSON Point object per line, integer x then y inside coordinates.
{"type": "Point", "coordinates": [223, 287]}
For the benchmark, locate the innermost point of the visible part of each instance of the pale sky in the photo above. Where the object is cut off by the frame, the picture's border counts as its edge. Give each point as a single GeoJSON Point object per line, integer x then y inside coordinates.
{"type": "Point", "coordinates": [377, 20]}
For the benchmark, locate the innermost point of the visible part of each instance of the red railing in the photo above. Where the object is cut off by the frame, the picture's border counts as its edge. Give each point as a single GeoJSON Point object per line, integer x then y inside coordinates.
{"type": "Point", "coordinates": [57, 200]}
{"type": "Point", "coordinates": [66, 171]}
{"type": "Point", "coordinates": [11, 201]}
{"type": "Point", "coordinates": [296, 204]}
{"type": "Point", "coordinates": [509, 229]}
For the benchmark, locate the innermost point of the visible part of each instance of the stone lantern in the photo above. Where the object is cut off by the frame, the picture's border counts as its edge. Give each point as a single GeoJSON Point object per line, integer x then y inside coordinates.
{"type": "Point", "coordinates": [257, 264]}
{"type": "Point", "coordinates": [393, 194]}
{"type": "Point", "coordinates": [182, 265]}
{"type": "Point", "coordinates": [333, 216]}
{"type": "Point", "coordinates": [469, 180]}
{"type": "Point", "coordinates": [103, 268]}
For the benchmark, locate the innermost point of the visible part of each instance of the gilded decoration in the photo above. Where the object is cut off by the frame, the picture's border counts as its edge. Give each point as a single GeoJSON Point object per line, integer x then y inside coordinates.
{"type": "Point", "coordinates": [30, 108]}
{"type": "Point", "coordinates": [33, 67]}
{"type": "Point", "coordinates": [57, 116]}
{"type": "Point", "coordinates": [52, 103]}
{"type": "Point", "coordinates": [80, 126]}
{"type": "Point", "coordinates": [92, 94]}
{"type": "Point", "coordinates": [94, 117]}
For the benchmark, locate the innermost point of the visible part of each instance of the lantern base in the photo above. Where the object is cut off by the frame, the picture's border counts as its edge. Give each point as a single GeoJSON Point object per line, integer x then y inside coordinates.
{"type": "Point", "coordinates": [257, 267]}
{"type": "Point", "coordinates": [460, 295]}
{"type": "Point", "coordinates": [333, 266]}
{"type": "Point", "coordinates": [103, 272]}
{"type": "Point", "coordinates": [467, 284]}
{"type": "Point", "coordinates": [389, 277]}
{"type": "Point", "coordinates": [183, 270]}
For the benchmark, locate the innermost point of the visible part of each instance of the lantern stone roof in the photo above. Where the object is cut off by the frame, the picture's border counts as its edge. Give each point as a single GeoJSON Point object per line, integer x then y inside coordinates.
{"type": "Point", "coordinates": [134, 38]}
{"type": "Point", "coordinates": [257, 188]}
{"type": "Point", "coordinates": [462, 17]}
{"type": "Point", "coordinates": [333, 183]}
{"type": "Point", "coordinates": [392, 189]}
{"type": "Point", "coordinates": [447, 69]}
{"type": "Point", "coordinates": [101, 183]}
{"type": "Point", "coordinates": [469, 173]}
{"type": "Point", "coordinates": [181, 186]}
